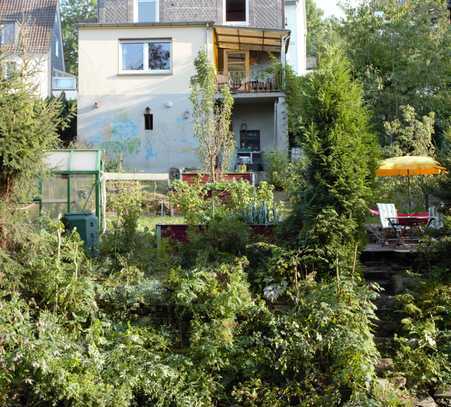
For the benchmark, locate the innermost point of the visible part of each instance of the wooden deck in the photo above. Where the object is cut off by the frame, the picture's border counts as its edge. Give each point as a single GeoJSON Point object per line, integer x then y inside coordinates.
{"type": "Point", "coordinates": [403, 248]}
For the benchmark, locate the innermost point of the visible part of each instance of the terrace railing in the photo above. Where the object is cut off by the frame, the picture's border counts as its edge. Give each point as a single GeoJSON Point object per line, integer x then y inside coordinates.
{"type": "Point", "coordinates": [240, 82]}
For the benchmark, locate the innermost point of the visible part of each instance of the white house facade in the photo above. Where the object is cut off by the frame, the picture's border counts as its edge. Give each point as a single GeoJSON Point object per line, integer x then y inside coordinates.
{"type": "Point", "coordinates": [135, 67]}
{"type": "Point", "coordinates": [296, 22]}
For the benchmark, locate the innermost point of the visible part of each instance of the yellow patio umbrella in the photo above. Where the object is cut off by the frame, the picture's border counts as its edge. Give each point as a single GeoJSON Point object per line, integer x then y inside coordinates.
{"type": "Point", "coordinates": [408, 166]}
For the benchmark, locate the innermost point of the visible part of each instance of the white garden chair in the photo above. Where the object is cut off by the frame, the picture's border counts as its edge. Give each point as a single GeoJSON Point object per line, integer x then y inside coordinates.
{"type": "Point", "coordinates": [389, 222]}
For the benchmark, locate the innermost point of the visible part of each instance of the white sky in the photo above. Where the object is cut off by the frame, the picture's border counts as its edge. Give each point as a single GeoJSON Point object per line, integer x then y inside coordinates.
{"type": "Point", "coordinates": [330, 7]}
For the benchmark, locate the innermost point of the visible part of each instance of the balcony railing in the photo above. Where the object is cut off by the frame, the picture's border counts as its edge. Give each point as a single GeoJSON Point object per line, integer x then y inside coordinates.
{"type": "Point", "coordinates": [240, 82]}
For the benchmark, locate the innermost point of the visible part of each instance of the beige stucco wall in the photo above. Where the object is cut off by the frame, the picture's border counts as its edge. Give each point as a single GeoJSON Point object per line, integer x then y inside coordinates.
{"type": "Point", "coordinates": [99, 60]}
{"type": "Point", "coordinates": [111, 105]}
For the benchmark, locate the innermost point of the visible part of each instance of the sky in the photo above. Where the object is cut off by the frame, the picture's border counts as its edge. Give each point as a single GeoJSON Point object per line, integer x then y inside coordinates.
{"type": "Point", "coordinates": [331, 8]}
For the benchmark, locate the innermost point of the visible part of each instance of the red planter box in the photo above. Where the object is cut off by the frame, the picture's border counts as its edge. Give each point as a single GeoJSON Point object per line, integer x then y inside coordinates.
{"type": "Point", "coordinates": [179, 233]}
{"type": "Point", "coordinates": [193, 177]}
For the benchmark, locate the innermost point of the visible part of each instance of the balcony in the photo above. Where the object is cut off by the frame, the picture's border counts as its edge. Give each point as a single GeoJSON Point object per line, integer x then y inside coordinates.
{"type": "Point", "coordinates": [245, 58]}
{"type": "Point", "coordinates": [240, 82]}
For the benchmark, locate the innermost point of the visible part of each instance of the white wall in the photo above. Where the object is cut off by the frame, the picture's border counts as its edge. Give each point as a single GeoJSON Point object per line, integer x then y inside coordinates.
{"type": "Point", "coordinates": [111, 106]}
{"type": "Point", "coordinates": [44, 75]}
{"type": "Point", "coordinates": [39, 66]}
{"type": "Point", "coordinates": [295, 15]}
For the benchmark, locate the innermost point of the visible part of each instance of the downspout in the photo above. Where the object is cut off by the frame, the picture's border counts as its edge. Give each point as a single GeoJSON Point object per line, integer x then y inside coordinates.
{"type": "Point", "coordinates": [283, 57]}
{"type": "Point", "coordinates": [276, 122]}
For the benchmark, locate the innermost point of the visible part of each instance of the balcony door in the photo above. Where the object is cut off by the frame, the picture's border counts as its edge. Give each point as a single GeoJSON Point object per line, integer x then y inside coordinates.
{"type": "Point", "coordinates": [236, 66]}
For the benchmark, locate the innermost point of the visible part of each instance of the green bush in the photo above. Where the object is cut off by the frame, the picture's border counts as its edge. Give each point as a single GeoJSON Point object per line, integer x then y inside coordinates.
{"type": "Point", "coordinates": [423, 344]}
{"type": "Point", "coordinates": [278, 169]}
{"type": "Point", "coordinates": [200, 203]}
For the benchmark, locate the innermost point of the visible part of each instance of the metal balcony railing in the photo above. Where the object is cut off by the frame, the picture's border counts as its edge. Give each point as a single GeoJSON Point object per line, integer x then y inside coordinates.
{"type": "Point", "coordinates": [240, 82]}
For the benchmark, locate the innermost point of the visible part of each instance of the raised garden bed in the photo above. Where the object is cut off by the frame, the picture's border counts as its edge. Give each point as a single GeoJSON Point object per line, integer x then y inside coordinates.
{"type": "Point", "coordinates": [193, 177]}
{"type": "Point", "coordinates": [179, 233]}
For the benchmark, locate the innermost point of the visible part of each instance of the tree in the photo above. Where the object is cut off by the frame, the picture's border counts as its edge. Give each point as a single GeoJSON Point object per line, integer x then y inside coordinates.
{"type": "Point", "coordinates": [72, 13]}
{"type": "Point", "coordinates": [321, 31]}
{"type": "Point", "coordinates": [28, 127]}
{"type": "Point", "coordinates": [410, 136]}
{"type": "Point", "coordinates": [341, 154]}
{"type": "Point", "coordinates": [315, 26]}
{"type": "Point", "coordinates": [212, 118]}
{"type": "Point", "coordinates": [401, 55]}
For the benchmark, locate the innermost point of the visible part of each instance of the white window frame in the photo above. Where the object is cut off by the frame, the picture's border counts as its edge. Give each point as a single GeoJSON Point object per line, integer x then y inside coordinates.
{"type": "Point", "coordinates": [224, 5]}
{"type": "Point", "coordinates": [146, 70]}
{"type": "Point", "coordinates": [136, 9]}
{"type": "Point", "coordinates": [3, 27]}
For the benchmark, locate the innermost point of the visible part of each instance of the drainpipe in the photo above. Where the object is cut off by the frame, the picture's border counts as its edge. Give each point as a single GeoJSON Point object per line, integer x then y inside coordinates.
{"type": "Point", "coordinates": [283, 56]}
{"type": "Point", "coordinates": [276, 135]}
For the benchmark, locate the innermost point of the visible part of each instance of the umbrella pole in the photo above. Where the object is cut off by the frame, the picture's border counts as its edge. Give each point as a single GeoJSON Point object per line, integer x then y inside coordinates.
{"type": "Point", "coordinates": [409, 192]}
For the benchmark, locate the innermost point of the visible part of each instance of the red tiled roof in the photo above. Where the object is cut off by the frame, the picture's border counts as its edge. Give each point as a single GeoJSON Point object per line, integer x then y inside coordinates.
{"type": "Point", "coordinates": [37, 15]}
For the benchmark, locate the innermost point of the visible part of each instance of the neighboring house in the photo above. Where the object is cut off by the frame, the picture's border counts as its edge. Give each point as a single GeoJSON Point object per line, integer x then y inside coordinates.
{"type": "Point", "coordinates": [296, 22]}
{"type": "Point", "coordinates": [135, 67]}
{"type": "Point", "coordinates": [31, 30]}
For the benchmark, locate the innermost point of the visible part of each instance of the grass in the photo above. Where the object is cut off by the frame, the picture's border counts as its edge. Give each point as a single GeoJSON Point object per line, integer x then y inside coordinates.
{"type": "Point", "coordinates": [149, 221]}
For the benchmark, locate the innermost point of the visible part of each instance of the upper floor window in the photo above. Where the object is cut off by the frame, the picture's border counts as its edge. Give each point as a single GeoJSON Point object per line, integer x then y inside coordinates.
{"type": "Point", "coordinates": [7, 33]}
{"type": "Point", "coordinates": [146, 11]}
{"type": "Point", "coordinates": [236, 11]}
{"type": "Point", "coordinates": [9, 69]}
{"type": "Point", "coordinates": [145, 56]}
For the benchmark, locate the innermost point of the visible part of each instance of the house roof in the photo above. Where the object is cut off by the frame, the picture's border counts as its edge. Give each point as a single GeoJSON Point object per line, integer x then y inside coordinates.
{"type": "Point", "coordinates": [38, 15]}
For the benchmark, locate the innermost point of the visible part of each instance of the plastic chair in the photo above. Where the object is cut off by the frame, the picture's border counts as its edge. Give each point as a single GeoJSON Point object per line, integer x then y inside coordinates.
{"type": "Point", "coordinates": [389, 222]}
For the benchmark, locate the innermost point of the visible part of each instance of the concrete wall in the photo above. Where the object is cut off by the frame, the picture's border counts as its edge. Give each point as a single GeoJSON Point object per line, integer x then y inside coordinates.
{"type": "Point", "coordinates": [257, 116]}
{"type": "Point", "coordinates": [111, 106]}
{"type": "Point", "coordinates": [262, 13]}
{"type": "Point", "coordinates": [296, 22]}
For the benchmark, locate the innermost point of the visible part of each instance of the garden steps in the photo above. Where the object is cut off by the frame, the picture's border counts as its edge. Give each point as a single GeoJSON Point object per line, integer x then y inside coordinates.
{"type": "Point", "coordinates": [384, 273]}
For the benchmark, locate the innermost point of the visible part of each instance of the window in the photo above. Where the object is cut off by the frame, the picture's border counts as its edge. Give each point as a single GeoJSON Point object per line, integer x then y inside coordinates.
{"type": "Point", "coordinates": [61, 83]}
{"type": "Point", "coordinates": [148, 119]}
{"type": "Point", "coordinates": [7, 33]}
{"type": "Point", "coordinates": [236, 11]}
{"type": "Point", "coordinates": [250, 140]}
{"type": "Point", "coordinates": [146, 11]}
{"type": "Point", "coordinates": [57, 48]}
{"type": "Point", "coordinates": [9, 69]}
{"type": "Point", "coordinates": [147, 56]}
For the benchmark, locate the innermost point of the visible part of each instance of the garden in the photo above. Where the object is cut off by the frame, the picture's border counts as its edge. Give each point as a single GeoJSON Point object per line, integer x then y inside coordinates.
{"type": "Point", "coordinates": [231, 315]}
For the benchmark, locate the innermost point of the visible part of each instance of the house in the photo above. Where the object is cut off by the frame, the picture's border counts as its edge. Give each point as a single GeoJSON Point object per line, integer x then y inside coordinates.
{"type": "Point", "coordinates": [135, 66]}
{"type": "Point", "coordinates": [31, 30]}
{"type": "Point", "coordinates": [296, 22]}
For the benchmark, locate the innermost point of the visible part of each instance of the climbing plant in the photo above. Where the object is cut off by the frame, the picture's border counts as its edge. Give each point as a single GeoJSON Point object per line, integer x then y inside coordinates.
{"type": "Point", "coordinates": [212, 115]}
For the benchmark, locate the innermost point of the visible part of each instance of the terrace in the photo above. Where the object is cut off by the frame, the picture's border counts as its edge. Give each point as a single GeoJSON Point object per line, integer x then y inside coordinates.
{"type": "Point", "coordinates": [244, 58]}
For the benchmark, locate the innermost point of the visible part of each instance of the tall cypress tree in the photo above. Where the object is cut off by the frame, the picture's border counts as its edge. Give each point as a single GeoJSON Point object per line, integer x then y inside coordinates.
{"type": "Point", "coordinates": [341, 153]}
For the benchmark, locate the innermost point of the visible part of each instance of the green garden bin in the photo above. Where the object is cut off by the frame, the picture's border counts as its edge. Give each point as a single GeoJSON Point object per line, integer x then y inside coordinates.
{"type": "Point", "coordinates": [87, 226]}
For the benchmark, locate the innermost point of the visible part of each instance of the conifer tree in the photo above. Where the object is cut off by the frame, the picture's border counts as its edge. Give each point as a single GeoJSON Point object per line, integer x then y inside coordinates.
{"type": "Point", "coordinates": [341, 154]}
{"type": "Point", "coordinates": [29, 126]}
